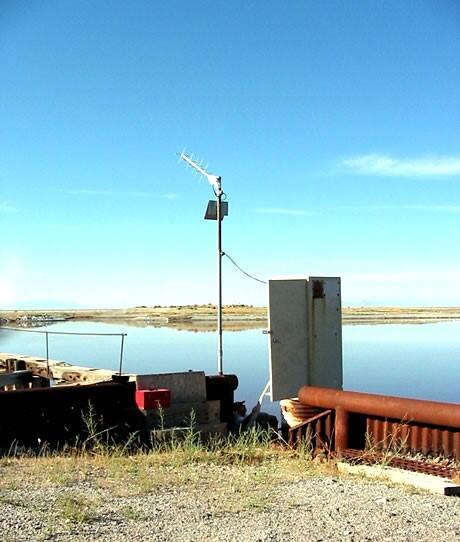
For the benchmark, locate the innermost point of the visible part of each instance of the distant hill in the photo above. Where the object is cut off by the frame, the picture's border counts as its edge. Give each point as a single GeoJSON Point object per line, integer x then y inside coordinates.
{"type": "Point", "coordinates": [41, 305]}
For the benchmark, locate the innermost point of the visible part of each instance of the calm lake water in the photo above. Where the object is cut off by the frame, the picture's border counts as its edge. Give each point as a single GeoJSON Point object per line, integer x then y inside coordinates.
{"type": "Point", "coordinates": [411, 360]}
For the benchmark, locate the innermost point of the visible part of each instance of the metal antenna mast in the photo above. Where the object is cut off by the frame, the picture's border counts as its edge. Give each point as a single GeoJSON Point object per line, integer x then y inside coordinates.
{"type": "Point", "coordinates": [216, 212]}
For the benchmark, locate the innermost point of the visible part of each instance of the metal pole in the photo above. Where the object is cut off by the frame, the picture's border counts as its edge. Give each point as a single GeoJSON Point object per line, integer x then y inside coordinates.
{"type": "Point", "coordinates": [47, 356]}
{"type": "Point", "coordinates": [121, 352]}
{"type": "Point", "coordinates": [220, 368]}
{"type": "Point", "coordinates": [215, 182]}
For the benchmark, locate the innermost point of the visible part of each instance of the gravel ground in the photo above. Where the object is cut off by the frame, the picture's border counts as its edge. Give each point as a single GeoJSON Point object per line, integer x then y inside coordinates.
{"type": "Point", "coordinates": [211, 502]}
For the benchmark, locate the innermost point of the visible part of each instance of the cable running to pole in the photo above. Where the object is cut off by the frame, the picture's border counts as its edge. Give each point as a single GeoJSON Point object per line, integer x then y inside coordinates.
{"type": "Point", "coordinates": [242, 270]}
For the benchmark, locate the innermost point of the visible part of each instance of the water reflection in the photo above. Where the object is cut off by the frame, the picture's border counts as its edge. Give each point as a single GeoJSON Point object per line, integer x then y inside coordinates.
{"type": "Point", "coordinates": [420, 361]}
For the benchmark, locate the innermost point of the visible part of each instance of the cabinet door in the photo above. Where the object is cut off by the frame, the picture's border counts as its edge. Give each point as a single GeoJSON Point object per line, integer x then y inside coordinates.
{"type": "Point", "coordinates": [325, 332]}
{"type": "Point", "coordinates": [288, 336]}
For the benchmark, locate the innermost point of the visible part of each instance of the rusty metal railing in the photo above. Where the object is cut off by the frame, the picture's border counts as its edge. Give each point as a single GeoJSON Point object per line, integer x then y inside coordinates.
{"type": "Point", "coordinates": [378, 423]}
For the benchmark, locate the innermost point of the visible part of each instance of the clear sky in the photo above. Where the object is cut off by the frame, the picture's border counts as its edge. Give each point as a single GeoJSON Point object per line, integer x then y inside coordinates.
{"type": "Point", "coordinates": [335, 127]}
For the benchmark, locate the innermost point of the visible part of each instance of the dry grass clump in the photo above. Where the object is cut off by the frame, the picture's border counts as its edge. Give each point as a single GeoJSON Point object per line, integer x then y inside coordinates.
{"type": "Point", "coordinates": [250, 457]}
{"type": "Point", "coordinates": [246, 465]}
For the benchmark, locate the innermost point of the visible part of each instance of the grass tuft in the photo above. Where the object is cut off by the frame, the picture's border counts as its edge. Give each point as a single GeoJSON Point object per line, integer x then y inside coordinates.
{"type": "Point", "coordinates": [75, 509]}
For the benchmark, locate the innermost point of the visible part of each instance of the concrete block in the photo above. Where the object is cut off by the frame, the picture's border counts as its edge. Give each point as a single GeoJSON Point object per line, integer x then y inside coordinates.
{"type": "Point", "coordinates": [180, 414]}
{"type": "Point", "coordinates": [213, 429]}
{"type": "Point", "coordinates": [426, 482]}
{"type": "Point", "coordinates": [213, 411]}
{"type": "Point", "coordinates": [185, 387]}
{"type": "Point", "coordinates": [205, 431]}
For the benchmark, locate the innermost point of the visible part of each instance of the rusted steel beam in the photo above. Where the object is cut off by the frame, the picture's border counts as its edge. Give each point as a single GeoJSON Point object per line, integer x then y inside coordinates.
{"type": "Point", "coordinates": [416, 465]}
{"type": "Point", "coordinates": [312, 419]}
{"type": "Point", "coordinates": [342, 418]}
{"type": "Point", "coordinates": [318, 430]}
{"type": "Point", "coordinates": [404, 437]}
{"type": "Point", "coordinates": [385, 406]}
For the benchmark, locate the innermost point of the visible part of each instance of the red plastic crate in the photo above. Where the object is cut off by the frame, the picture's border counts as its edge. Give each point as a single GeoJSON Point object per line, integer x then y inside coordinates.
{"type": "Point", "coordinates": [150, 399]}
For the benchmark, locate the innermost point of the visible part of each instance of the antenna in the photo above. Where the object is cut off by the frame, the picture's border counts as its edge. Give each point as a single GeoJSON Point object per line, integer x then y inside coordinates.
{"type": "Point", "coordinates": [217, 214]}
{"type": "Point", "coordinates": [213, 180]}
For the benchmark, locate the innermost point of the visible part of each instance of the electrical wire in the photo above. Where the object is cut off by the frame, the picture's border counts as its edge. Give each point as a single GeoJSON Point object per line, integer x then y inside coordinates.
{"type": "Point", "coordinates": [242, 270]}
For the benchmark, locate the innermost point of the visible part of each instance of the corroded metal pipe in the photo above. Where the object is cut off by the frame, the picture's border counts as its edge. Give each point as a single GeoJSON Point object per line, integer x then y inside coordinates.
{"type": "Point", "coordinates": [385, 406]}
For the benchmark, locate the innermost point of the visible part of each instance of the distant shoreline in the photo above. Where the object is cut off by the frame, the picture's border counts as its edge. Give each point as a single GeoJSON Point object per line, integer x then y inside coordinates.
{"type": "Point", "coordinates": [203, 317]}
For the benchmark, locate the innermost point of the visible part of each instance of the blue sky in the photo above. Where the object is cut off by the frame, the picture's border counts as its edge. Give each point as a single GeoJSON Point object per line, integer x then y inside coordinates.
{"type": "Point", "coordinates": [334, 126]}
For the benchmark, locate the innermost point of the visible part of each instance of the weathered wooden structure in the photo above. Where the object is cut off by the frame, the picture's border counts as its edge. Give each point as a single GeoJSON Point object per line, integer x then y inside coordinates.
{"type": "Point", "coordinates": [55, 369]}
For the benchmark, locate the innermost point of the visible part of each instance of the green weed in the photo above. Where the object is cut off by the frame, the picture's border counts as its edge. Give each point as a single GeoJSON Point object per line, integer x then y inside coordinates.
{"type": "Point", "coordinates": [131, 514]}
{"type": "Point", "coordinates": [75, 509]}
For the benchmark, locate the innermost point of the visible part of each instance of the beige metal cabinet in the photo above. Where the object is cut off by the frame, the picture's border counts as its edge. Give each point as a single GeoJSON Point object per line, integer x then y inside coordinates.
{"type": "Point", "coordinates": [305, 334]}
